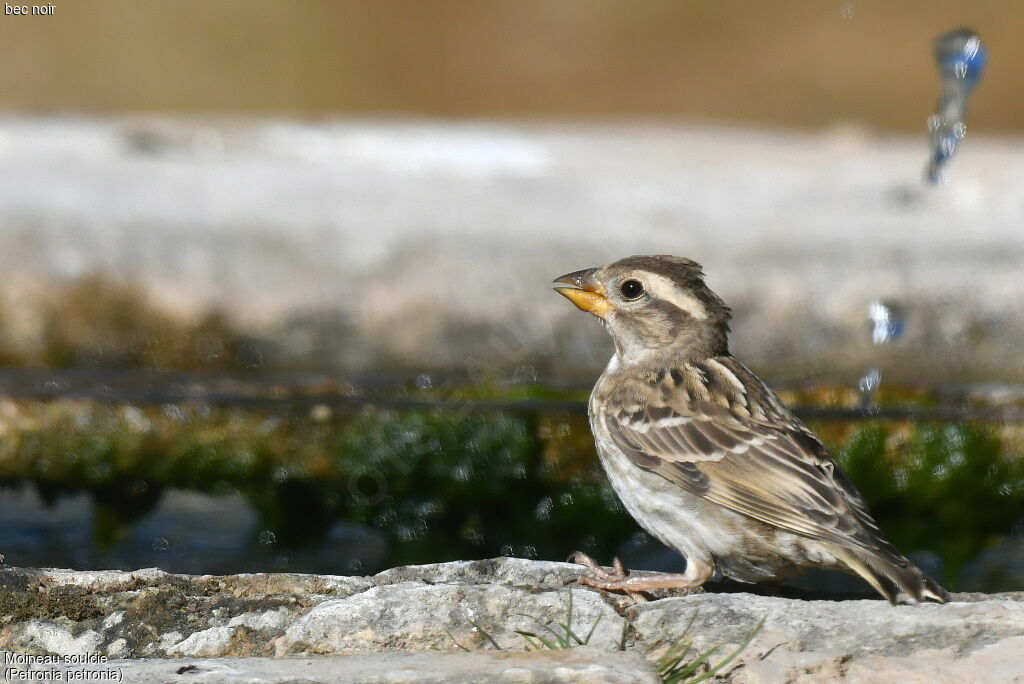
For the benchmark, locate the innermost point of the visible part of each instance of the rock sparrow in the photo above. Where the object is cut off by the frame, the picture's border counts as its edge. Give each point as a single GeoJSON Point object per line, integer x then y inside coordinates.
{"type": "Point", "coordinates": [707, 458]}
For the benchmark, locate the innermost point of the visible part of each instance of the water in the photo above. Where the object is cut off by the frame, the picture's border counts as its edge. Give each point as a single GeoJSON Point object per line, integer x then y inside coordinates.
{"type": "Point", "coordinates": [868, 386]}
{"type": "Point", "coordinates": [359, 494]}
{"type": "Point", "coordinates": [187, 531]}
{"type": "Point", "coordinates": [961, 59]}
{"type": "Point", "coordinates": [888, 321]}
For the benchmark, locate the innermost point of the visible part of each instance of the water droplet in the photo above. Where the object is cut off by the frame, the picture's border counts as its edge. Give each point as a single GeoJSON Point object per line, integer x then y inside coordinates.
{"type": "Point", "coordinates": [887, 322]}
{"type": "Point", "coordinates": [424, 382]}
{"type": "Point", "coordinates": [135, 419]}
{"type": "Point", "coordinates": [868, 386]}
{"type": "Point", "coordinates": [544, 507]}
{"type": "Point", "coordinates": [267, 537]}
{"type": "Point", "coordinates": [269, 425]}
{"type": "Point", "coordinates": [174, 412]}
{"type": "Point", "coordinates": [161, 544]}
{"type": "Point", "coordinates": [961, 59]}
{"type": "Point", "coordinates": [507, 551]}
{"type": "Point", "coordinates": [846, 11]}
{"type": "Point", "coordinates": [524, 375]}
{"type": "Point", "coordinates": [385, 517]}
{"type": "Point", "coordinates": [428, 508]}
{"type": "Point", "coordinates": [473, 536]}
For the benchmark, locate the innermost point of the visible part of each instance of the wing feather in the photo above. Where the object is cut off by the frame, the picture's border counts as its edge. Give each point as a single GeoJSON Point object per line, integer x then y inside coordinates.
{"type": "Point", "coordinates": [771, 469]}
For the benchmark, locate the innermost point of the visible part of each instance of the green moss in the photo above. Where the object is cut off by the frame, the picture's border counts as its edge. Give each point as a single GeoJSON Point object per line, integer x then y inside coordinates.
{"type": "Point", "coordinates": [478, 482]}
{"type": "Point", "coordinates": [448, 485]}
{"type": "Point", "coordinates": [949, 488]}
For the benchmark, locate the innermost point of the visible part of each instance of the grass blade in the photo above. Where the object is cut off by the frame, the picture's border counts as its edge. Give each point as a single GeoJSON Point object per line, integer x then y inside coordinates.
{"type": "Point", "coordinates": [593, 627]}
{"type": "Point", "coordinates": [622, 638]}
{"type": "Point", "coordinates": [568, 622]}
{"type": "Point", "coordinates": [486, 634]}
{"type": "Point", "coordinates": [678, 675]}
{"type": "Point", "coordinates": [739, 649]}
{"type": "Point", "coordinates": [547, 627]}
{"type": "Point", "coordinates": [452, 637]}
{"type": "Point", "coordinates": [546, 642]}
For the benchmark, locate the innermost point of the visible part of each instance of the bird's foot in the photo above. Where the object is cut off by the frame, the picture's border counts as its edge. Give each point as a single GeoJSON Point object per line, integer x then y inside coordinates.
{"type": "Point", "coordinates": [600, 578]}
{"type": "Point", "coordinates": [619, 580]}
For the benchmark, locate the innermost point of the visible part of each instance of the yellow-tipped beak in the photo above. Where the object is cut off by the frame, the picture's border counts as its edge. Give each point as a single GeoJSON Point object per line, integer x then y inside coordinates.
{"type": "Point", "coordinates": [587, 293]}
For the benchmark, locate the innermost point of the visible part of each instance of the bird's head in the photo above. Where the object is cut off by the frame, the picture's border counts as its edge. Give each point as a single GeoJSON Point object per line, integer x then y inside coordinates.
{"type": "Point", "coordinates": [653, 306]}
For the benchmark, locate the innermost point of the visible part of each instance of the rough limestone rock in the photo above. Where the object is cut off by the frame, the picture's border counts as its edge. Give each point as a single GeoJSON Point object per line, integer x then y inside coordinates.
{"type": "Point", "coordinates": [974, 638]}
{"type": "Point", "coordinates": [412, 624]}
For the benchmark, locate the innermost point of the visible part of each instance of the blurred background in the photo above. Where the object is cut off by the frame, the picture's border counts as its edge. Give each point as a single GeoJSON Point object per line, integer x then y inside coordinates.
{"type": "Point", "coordinates": [275, 276]}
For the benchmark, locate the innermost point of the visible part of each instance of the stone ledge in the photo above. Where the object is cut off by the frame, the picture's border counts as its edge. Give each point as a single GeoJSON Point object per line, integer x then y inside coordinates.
{"type": "Point", "coordinates": [149, 615]}
{"type": "Point", "coordinates": [799, 233]}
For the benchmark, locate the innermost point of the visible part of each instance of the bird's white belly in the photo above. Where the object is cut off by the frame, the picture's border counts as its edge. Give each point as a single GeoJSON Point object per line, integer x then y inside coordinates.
{"type": "Point", "coordinates": [683, 521]}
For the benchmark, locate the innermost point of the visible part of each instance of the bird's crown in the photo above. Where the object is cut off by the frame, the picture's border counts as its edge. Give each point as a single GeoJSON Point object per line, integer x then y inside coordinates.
{"type": "Point", "coordinates": [653, 304]}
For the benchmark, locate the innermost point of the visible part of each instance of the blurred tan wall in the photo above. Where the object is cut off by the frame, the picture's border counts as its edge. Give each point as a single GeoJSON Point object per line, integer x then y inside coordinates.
{"type": "Point", "coordinates": [792, 63]}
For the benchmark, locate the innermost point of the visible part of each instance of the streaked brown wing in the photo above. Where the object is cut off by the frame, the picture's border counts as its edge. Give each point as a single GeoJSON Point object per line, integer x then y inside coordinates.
{"type": "Point", "coordinates": [774, 471]}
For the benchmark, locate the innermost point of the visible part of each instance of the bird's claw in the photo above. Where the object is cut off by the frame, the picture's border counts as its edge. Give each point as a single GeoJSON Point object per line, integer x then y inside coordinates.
{"type": "Point", "coordinates": [600, 578]}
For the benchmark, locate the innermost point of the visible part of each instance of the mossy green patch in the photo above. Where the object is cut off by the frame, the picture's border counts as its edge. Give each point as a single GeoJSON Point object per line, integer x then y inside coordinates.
{"type": "Point", "coordinates": [445, 485]}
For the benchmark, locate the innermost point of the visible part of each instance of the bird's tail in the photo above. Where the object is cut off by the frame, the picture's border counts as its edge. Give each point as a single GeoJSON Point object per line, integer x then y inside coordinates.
{"type": "Point", "coordinates": [896, 578]}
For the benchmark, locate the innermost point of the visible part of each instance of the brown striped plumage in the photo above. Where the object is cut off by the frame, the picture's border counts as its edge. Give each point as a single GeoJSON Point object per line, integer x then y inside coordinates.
{"type": "Point", "coordinates": [706, 457]}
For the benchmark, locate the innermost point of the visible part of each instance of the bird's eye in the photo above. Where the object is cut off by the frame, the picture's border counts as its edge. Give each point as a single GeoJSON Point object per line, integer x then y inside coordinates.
{"type": "Point", "coordinates": [631, 289]}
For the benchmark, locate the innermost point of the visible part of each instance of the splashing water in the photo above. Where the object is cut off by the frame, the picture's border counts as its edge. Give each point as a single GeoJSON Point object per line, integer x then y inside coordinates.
{"type": "Point", "coordinates": [868, 386]}
{"type": "Point", "coordinates": [961, 58]}
{"type": "Point", "coordinates": [887, 322]}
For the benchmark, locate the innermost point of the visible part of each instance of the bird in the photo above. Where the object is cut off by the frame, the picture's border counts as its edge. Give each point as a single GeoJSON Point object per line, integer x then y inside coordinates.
{"type": "Point", "coordinates": [706, 457]}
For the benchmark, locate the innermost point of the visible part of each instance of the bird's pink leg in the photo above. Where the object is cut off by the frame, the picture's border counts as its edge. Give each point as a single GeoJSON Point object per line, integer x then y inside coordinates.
{"type": "Point", "coordinates": [697, 573]}
{"type": "Point", "coordinates": [618, 574]}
